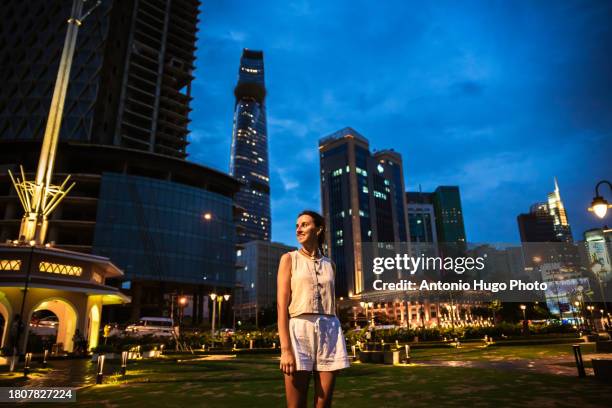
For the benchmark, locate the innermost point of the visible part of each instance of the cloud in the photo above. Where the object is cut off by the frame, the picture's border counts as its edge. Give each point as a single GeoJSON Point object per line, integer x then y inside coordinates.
{"type": "Point", "coordinates": [285, 125]}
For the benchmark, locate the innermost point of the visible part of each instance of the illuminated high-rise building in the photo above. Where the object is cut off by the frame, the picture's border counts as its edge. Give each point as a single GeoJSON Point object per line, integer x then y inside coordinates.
{"type": "Point", "coordinates": [556, 209]}
{"type": "Point", "coordinates": [363, 201]}
{"type": "Point", "coordinates": [249, 154]}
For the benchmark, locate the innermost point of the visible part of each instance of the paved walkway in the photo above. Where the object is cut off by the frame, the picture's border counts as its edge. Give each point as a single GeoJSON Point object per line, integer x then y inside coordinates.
{"type": "Point", "coordinates": [559, 366]}
{"type": "Point", "coordinates": [65, 373]}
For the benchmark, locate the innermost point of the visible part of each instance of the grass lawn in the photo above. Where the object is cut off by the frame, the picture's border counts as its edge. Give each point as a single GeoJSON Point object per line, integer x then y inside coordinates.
{"type": "Point", "coordinates": [254, 381]}
{"type": "Point", "coordinates": [501, 353]}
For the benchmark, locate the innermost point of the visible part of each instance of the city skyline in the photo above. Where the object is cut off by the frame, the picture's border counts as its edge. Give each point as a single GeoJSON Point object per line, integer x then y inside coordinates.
{"type": "Point", "coordinates": [521, 90]}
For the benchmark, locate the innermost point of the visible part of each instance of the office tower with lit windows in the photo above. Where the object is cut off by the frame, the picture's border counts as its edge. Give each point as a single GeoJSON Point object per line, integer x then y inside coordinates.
{"type": "Point", "coordinates": [449, 215]}
{"type": "Point", "coordinates": [421, 218]}
{"type": "Point", "coordinates": [255, 293]}
{"type": "Point", "coordinates": [363, 201]}
{"type": "Point", "coordinates": [563, 231]}
{"type": "Point", "coordinates": [249, 152]}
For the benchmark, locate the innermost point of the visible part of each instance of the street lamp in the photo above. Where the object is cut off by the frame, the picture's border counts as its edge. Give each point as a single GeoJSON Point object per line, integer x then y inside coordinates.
{"type": "Point", "coordinates": [525, 324]}
{"type": "Point", "coordinates": [220, 299]}
{"type": "Point", "coordinates": [213, 296]}
{"type": "Point", "coordinates": [182, 303]}
{"type": "Point", "coordinates": [20, 323]}
{"type": "Point", "coordinates": [600, 205]}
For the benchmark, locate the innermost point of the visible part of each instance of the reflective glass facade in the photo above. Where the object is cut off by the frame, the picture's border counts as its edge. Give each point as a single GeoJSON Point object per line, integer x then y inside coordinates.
{"type": "Point", "coordinates": [249, 154]}
{"type": "Point", "coordinates": [157, 230]}
{"type": "Point", "coordinates": [359, 193]}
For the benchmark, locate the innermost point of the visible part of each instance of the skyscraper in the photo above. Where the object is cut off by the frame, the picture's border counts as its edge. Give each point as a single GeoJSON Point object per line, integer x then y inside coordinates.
{"type": "Point", "coordinates": [538, 225]}
{"type": "Point", "coordinates": [363, 201]}
{"type": "Point", "coordinates": [249, 154]}
{"type": "Point", "coordinates": [130, 83]}
{"type": "Point", "coordinates": [449, 215]}
{"type": "Point", "coordinates": [556, 209]}
{"type": "Point", "coordinates": [421, 218]}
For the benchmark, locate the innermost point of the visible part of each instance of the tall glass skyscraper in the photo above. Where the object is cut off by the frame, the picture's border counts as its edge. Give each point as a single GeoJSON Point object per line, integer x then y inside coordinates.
{"type": "Point", "coordinates": [563, 231]}
{"type": "Point", "coordinates": [363, 202]}
{"type": "Point", "coordinates": [249, 155]}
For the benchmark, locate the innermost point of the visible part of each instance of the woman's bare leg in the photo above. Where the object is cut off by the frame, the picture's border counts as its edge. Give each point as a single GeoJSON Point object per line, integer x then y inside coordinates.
{"type": "Point", "coordinates": [324, 382]}
{"type": "Point", "coordinates": [296, 389]}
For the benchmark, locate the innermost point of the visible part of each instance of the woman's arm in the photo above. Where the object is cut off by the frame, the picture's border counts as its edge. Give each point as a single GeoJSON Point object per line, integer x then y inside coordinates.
{"type": "Point", "coordinates": [283, 297]}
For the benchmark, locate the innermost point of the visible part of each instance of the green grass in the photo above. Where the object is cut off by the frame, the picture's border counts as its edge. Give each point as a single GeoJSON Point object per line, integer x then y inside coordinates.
{"type": "Point", "coordinates": [469, 352]}
{"type": "Point", "coordinates": [255, 381]}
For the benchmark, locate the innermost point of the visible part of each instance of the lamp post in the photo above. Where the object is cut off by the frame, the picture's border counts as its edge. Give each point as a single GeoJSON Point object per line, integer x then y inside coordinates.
{"type": "Point", "coordinates": [590, 308]}
{"type": "Point", "coordinates": [600, 205]}
{"type": "Point", "coordinates": [525, 324]}
{"type": "Point", "coordinates": [364, 305]}
{"type": "Point", "coordinates": [220, 299]}
{"type": "Point", "coordinates": [21, 323]}
{"type": "Point", "coordinates": [213, 297]}
{"type": "Point", "coordinates": [182, 303]}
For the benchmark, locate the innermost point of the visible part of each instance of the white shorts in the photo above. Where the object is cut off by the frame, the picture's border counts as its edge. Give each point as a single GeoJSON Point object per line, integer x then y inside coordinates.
{"type": "Point", "coordinates": [318, 343]}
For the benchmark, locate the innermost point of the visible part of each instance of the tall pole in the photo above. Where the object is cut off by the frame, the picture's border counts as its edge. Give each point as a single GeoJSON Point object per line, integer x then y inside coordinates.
{"type": "Point", "coordinates": [220, 301]}
{"type": "Point", "coordinates": [213, 297]}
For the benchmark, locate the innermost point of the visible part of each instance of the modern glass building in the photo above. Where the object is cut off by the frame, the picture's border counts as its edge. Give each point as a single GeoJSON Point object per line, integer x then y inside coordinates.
{"type": "Point", "coordinates": [167, 223]}
{"type": "Point", "coordinates": [363, 201]}
{"type": "Point", "coordinates": [563, 230]}
{"type": "Point", "coordinates": [256, 281]}
{"type": "Point", "coordinates": [249, 152]}
{"type": "Point", "coordinates": [449, 215]}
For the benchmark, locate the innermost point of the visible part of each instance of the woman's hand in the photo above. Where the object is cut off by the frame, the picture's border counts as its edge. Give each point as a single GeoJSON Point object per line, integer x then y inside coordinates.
{"type": "Point", "coordinates": [287, 362]}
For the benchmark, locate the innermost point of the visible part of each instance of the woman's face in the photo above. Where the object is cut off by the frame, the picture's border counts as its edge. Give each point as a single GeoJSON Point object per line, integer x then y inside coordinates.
{"type": "Point", "coordinates": [306, 230]}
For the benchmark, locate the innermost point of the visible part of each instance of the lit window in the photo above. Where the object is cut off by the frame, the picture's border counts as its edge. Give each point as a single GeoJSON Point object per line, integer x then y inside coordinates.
{"type": "Point", "coordinates": [10, 264]}
{"type": "Point", "coordinates": [60, 269]}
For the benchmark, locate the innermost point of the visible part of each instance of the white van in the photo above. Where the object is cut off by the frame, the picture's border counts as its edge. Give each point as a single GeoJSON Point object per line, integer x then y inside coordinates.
{"type": "Point", "coordinates": [156, 326]}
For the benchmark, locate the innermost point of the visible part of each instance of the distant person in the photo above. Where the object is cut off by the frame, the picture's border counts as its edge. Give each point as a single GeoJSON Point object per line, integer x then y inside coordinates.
{"type": "Point", "coordinates": [14, 333]}
{"type": "Point", "coordinates": [77, 342]}
{"type": "Point", "coordinates": [310, 334]}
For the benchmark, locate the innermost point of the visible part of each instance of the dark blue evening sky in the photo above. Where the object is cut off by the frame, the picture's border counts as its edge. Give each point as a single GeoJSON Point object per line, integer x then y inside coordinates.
{"type": "Point", "coordinates": [495, 97]}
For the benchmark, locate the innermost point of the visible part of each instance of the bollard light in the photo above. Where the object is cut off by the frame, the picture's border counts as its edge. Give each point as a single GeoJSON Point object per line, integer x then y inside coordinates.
{"type": "Point", "coordinates": [26, 365]}
{"type": "Point", "coordinates": [354, 349]}
{"type": "Point", "coordinates": [45, 356]}
{"type": "Point", "coordinates": [124, 360]}
{"type": "Point", "coordinates": [100, 369]}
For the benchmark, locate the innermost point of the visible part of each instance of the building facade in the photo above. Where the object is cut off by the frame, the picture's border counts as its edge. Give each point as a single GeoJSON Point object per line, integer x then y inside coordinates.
{"type": "Point", "coordinates": [363, 202]}
{"type": "Point", "coordinates": [130, 82]}
{"type": "Point", "coordinates": [563, 231]}
{"type": "Point", "coordinates": [256, 280]}
{"type": "Point", "coordinates": [249, 152]}
{"type": "Point", "coordinates": [167, 223]}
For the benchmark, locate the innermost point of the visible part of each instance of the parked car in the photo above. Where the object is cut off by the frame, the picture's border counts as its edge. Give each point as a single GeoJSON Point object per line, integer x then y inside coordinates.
{"type": "Point", "coordinates": [46, 326]}
{"type": "Point", "coordinates": [156, 326]}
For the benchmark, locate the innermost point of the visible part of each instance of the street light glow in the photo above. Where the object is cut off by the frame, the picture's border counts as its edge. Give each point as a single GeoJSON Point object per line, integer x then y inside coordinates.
{"type": "Point", "coordinates": [207, 216]}
{"type": "Point", "coordinates": [213, 296]}
{"type": "Point", "coordinates": [226, 297]}
{"type": "Point", "coordinates": [600, 205]}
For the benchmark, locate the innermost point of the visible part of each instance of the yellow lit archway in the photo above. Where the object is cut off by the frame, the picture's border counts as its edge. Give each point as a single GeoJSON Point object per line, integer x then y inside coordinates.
{"type": "Point", "coordinates": [67, 317]}
{"type": "Point", "coordinates": [6, 311]}
{"type": "Point", "coordinates": [94, 326]}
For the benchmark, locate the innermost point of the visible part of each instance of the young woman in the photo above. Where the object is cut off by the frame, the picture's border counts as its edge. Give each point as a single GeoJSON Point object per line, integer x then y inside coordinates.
{"type": "Point", "coordinates": [310, 334]}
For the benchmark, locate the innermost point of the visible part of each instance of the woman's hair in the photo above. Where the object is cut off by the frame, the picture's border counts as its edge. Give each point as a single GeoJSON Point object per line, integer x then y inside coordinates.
{"type": "Point", "coordinates": [319, 222]}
